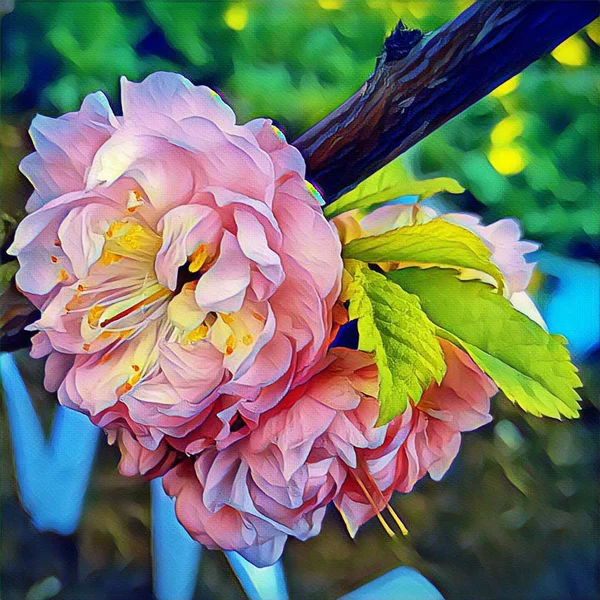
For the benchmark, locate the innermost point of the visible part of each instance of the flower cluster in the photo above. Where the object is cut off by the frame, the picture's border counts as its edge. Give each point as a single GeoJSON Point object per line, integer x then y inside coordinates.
{"type": "Point", "coordinates": [189, 290]}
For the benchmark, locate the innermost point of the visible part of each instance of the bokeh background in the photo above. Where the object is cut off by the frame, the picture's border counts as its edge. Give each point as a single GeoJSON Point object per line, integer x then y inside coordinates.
{"type": "Point", "coordinates": [517, 515]}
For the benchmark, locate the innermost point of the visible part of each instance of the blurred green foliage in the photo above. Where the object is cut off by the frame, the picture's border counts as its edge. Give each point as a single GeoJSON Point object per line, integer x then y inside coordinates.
{"type": "Point", "coordinates": [516, 516]}
{"type": "Point", "coordinates": [296, 60]}
{"type": "Point", "coordinates": [531, 153]}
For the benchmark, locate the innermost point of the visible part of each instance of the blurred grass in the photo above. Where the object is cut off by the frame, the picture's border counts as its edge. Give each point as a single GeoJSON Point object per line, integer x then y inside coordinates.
{"type": "Point", "coordinates": [516, 517]}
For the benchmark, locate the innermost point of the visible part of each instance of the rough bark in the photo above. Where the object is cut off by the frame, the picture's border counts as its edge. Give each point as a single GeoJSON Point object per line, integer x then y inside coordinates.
{"type": "Point", "coordinates": [422, 81]}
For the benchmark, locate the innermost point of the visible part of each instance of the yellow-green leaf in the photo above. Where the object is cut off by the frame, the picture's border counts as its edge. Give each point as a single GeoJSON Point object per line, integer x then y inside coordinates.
{"type": "Point", "coordinates": [389, 183]}
{"type": "Point", "coordinates": [392, 325]}
{"type": "Point", "coordinates": [435, 243]}
{"type": "Point", "coordinates": [531, 366]}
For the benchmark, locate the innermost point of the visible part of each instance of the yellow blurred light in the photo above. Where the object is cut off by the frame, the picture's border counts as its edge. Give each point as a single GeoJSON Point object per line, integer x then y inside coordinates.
{"type": "Point", "coordinates": [236, 16]}
{"type": "Point", "coordinates": [331, 4]}
{"type": "Point", "coordinates": [507, 87]}
{"type": "Point", "coordinates": [400, 9]}
{"type": "Point", "coordinates": [10, 136]}
{"type": "Point", "coordinates": [593, 31]}
{"type": "Point", "coordinates": [506, 131]}
{"type": "Point", "coordinates": [507, 161]}
{"type": "Point", "coordinates": [573, 52]}
{"type": "Point", "coordinates": [419, 10]}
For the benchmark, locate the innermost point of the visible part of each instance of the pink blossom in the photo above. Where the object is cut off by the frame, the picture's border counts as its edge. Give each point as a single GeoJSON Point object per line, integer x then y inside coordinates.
{"type": "Point", "coordinates": [176, 258]}
{"type": "Point", "coordinates": [188, 287]}
{"type": "Point", "coordinates": [278, 480]}
{"type": "Point", "coordinates": [319, 444]}
{"type": "Point", "coordinates": [424, 439]}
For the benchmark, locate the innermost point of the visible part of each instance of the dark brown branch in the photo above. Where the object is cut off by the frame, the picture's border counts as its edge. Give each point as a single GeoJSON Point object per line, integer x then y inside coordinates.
{"type": "Point", "coordinates": [414, 91]}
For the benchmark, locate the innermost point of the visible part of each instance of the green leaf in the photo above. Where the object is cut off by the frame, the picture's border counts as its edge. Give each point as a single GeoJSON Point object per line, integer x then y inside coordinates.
{"type": "Point", "coordinates": [7, 224]}
{"type": "Point", "coordinates": [392, 325]}
{"type": "Point", "coordinates": [389, 183]}
{"type": "Point", "coordinates": [7, 272]}
{"type": "Point", "coordinates": [435, 243]}
{"type": "Point", "coordinates": [531, 366]}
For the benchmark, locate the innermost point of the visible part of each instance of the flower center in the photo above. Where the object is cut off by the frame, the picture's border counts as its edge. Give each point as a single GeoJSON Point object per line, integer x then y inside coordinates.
{"type": "Point", "coordinates": [186, 275]}
{"type": "Point", "coordinates": [129, 291]}
{"type": "Point", "coordinates": [122, 294]}
{"type": "Point", "coordinates": [197, 264]}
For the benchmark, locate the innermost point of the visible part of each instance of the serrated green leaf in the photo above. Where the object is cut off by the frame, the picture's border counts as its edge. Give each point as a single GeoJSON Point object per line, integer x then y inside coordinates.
{"type": "Point", "coordinates": [392, 325]}
{"type": "Point", "coordinates": [435, 243]}
{"type": "Point", "coordinates": [389, 183]}
{"type": "Point", "coordinates": [531, 366]}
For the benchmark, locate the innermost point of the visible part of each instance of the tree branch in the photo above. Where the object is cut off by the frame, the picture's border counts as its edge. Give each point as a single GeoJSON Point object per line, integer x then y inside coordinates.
{"type": "Point", "coordinates": [416, 89]}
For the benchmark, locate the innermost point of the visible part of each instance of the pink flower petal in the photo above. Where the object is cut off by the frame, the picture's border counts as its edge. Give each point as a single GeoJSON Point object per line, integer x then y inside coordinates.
{"type": "Point", "coordinates": [173, 94]}
{"type": "Point", "coordinates": [65, 149]}
{"type": "Point", "coordinates": [223, 287]}
{"type": "Point", "coordinates": [194, 370]}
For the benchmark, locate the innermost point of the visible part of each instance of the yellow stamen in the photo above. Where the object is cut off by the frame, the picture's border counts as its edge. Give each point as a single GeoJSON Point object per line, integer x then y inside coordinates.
{"type": "Point", "coordinates": [63, 275]}
{"type": "Point", "coordinates": [226, 318]}
{"type": "Point", "coordinates": [114, 228]}
{"type": "Point", "coordinates": [108, 258]}
{"type": "Point", "coordinates": [247, 339]}
{"type": "Point", "coordinates": [383, 522]}
{"type": "Point", "coordinates": [392, 512]}
{"type": "Point", "coordinates": [199, 333]}
{"type": "Point", "coordinates": [197, 258]}
{"type": "Point", "coordinates": [230, 345]}
{"type": "Point", "coordinates": [94, 315]}
{"type": "Point", "coordinates": [396, 518]}
{"type": "Point", "coordinates": [132, 240]}
{"type": "Point", "coordinates": [128, 385]}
